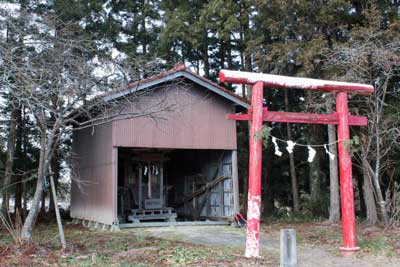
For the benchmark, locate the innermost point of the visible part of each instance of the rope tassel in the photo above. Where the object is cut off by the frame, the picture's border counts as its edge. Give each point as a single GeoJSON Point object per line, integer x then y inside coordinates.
{"type": "Point", "coordinates": [311, 151]}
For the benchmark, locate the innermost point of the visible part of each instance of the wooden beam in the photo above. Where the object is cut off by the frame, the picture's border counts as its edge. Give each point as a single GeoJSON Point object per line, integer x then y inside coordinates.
{"type": "Point", "coordinates": [279, 81]}
{"type": "Point", "coordinates": [293, 117]}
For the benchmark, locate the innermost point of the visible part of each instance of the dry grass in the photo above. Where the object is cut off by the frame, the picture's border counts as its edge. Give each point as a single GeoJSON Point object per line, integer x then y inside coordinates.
{"type": "Point", "coordinates": [130, 248]}
{"type": "Point", "coordinates": [96, 248]}
{"type": "Point", "coordinates": [374, 240]}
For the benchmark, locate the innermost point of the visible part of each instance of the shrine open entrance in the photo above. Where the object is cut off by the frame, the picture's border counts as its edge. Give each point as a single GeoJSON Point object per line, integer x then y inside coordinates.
{"type": "Point", "coordinates": [257, 114]}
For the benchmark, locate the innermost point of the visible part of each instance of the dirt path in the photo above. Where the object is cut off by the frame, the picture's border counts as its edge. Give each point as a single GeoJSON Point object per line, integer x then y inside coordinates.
{"type": "Point", "coordinates": [235, 237]}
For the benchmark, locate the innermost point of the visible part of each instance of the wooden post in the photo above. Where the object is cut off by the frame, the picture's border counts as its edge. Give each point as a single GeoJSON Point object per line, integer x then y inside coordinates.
{"type": "Point", "coordinates": [140, 176]}
{"type": "Point", "coordinates": [115, 183]}
{"type": "Point", "coordinates": [254, 196]}
{"type": "Point", "coordinates": [149, 179]}
{"type": "Point", "coordinates": [59, 222]}
{"type": "Point", "coordinates": [161, 173]}
{"type": "Point", "coordinates": [346, 179]}
{"type": "Point", "coordinates": [288, 248]}
{"type": "Point", "coordinates": [235, 183]}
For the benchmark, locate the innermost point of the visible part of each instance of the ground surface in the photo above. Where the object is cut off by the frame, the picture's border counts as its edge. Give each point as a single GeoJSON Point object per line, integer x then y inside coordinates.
{"type": "Point", "coordinates": [309, 254]}
{"type": "Point", "coordinates": [196, 246]}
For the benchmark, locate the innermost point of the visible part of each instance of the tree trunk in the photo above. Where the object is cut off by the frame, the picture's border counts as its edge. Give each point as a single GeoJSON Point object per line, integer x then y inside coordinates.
{"type": "Point", "coordinates": [144, 35]}
{"type": "Point", "coordinates": [334, 203]}
{"type": "Point", "coordinates": [375, 173]}
{"type": "Point", "coordinates": [246, 179]}
{"type": "Point", "coordinates": [315, 180]}
{"type": "Point", "coordinates": [264, 193]}
{"type": "Point", "coordinates": [18, 193]}
{"type": "Point", "coordinates": [267, 197]}
{"type": "Point", "coordinates": [21, 166]}
{"type": "Point", "coordinates": [47, 143]}
{"type": "Point", "coordinates": [229, 54]}
{"type": "Point", "coordinates": [206, 58]}
{"type": "Point", "coordinates": [293, 177]}
{"type": "Point", "coordinates": [222, 55]}
{"type": "Point", "coordinates": [370, 204]}
{"type": "Point", "coordinates": [242, 64]}
{"type": "Point", "coordinates": [378, 194]}
{"type": "Point", "coordinates": [24, 199]}
{"type": "Point", "coordinates": [55, 167]}
{"type": "Point", "coordinates": [360, 189]}
{"type": "Point", "coordinates": [26, 232]}
{"type": "Point", "coordinates": [43, 203]}
{"type": "Point", "coordinates": [10, 158]}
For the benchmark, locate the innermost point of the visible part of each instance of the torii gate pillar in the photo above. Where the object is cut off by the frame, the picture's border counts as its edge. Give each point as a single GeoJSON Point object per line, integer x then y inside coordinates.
{"type": "Point", "coordinates": [258, 114]}
{"type": "Point", "coordinates": [255, 167]}
{"type": "Point", "coordinates": [346, 178]}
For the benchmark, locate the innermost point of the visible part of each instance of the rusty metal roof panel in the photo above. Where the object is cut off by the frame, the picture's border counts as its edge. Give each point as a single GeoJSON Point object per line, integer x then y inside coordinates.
{"type": "Point", "coordinates": [178, 71]}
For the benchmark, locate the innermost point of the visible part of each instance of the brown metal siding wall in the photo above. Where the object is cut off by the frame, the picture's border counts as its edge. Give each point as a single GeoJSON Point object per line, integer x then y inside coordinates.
{"type": "Point", "coordinates": [195, 119]}
{"type": "Point", "coordinates": [93, 183]}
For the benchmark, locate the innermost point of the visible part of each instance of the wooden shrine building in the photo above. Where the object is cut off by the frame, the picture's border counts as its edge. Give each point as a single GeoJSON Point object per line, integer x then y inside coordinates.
{"type": "Point", "coordinates": [170, 156]}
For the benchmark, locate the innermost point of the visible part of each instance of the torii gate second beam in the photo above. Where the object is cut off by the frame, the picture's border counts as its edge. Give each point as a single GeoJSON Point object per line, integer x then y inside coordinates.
{"type": "Point", "coordinates": [258, 114]}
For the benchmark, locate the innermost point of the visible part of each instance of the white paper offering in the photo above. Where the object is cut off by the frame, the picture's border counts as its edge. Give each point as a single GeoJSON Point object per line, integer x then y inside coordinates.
{"type": "Point", "coordinates": [277, 151]}
{"type": "Point", "coordinates": [311, 154]}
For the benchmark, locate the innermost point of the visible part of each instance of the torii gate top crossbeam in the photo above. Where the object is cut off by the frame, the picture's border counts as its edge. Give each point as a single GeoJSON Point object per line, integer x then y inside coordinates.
{"type": "Point", "coordinates": [278, 81]}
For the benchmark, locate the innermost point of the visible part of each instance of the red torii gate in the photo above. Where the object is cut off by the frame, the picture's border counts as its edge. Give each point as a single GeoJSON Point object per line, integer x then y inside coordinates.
{"type": "Point", "coordinates": [257, 114]}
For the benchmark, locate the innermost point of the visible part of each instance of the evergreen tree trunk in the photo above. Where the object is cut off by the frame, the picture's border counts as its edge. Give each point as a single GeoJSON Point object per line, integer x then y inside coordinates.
{"type": "Point", "coordinates": [267, 197]}
{"type": "Point", "coordinates": [246, 179]}
{"type": "Point", "coordinates": [245, 190]}
{"type": "Point", "coordinates": [359, 180]}
{"type": "Point", "coordinates": [43, 203]}
{"type": "Point", "coordinates": [18, 194]}
{"type": "Point", "coordinates": [10, 158]}
{"type": "Point", "coordinates": [264, 194]}
{"type": "Point", "coordinates": [334, 203]}
{"type": "Point", "coordinates": [293, 177]}
{"type": "Point", "coordinates": [24, 199]}
{"type": "Point", "coordinates": [15, 116]}
{"type": "Point", "coordinates": [206, 59]}
{"type": "Point", "coordinates": [315, 178]}
{"type": "Point", "coordinates": [229, 54]}
{"type": "Point", "coordinates": [314, 166]}
{"type": "Point", "coordinates": [19, 155]}
{"type": "Point", "coordinates": [144, 36]}
{"type": "Point", "coordinates": [222, 54]}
